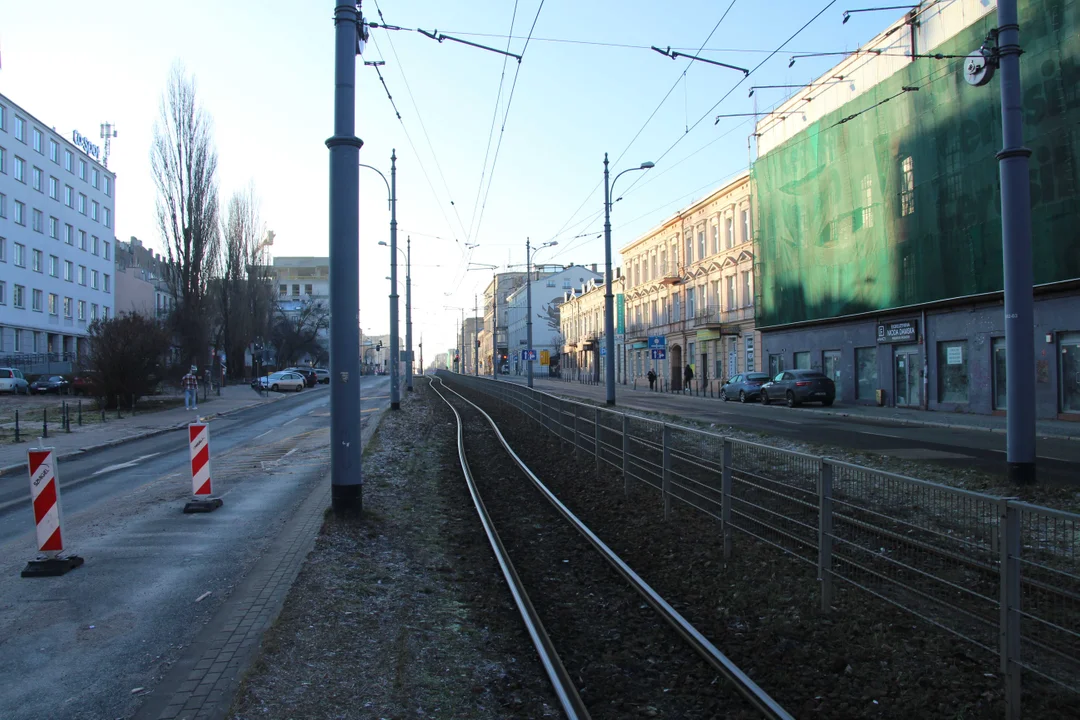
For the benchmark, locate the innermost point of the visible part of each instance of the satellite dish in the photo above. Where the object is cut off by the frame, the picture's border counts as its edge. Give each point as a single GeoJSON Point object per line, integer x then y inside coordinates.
{"type": "Point", "coordinates": [978, 69]}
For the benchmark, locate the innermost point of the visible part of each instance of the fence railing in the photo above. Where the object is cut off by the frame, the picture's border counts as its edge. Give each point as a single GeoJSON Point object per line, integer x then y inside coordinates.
{"type": "Point", "coordinates": [1001, 574]}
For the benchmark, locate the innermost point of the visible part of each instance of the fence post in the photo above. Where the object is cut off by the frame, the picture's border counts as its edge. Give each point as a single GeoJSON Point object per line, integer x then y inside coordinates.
{"type": "Point", "coordinates": [45, 422]}
{"type": "Point", "coordinates": [626, 453]}
{"type": "Point", "coordinates": [577, 440]}
{"type": "Point", "coordinates": [825, 533]}
{"type": "Point", "coordinates": [1010, 606]}
{"type": "Point", "coordinates": [665, 484]}
{"type": "Point", "coordinates": [596, 439]}
{"type": "Point", "coordinates": [67, 416]}
{"type": "Point", "coordinates": [725, 496]}
{"type": "Point", "coordinates": [101, 407]}
{"type": "Point", "coordinates": [16, 424]}
{"type": "Point", "coordinates": [80, 413]}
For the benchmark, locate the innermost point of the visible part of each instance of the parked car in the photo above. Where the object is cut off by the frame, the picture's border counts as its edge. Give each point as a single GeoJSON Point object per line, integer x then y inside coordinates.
{"type": "Point", "coordinates": [51, 384]}
{"type": "Point", "coordinates": [744, 386]}
{"type": "Point", "coordinates": [85, 384]}
{"type": "Point", "coordinates": [13, 381]}
{"type": "Point", "coordinates": [323, 375]}
{"type": "Point", "coordinates": [799, 386]}
{"type": "Point", "coordinates": [283, 380]}
{"type": "Point", "coordinates": [310, 378]}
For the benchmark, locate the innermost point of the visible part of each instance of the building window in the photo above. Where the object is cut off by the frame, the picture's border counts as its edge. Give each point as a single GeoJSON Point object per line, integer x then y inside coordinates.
{"type": "Point", "coordinates": [802, 360]}
{"type": "Point", "coordinates": [82, 239]}
{"type": "Point", "coordinates": [82, 203]}
{"type": "Point", "coordinates": [3, 118]}
{"type": "Point", "coordinates": [732, 299]}
{"type": "Point", "coordinates": [551, 283]}
{"type": "Point", "coordinates": [82, 275]}
{"type": "Point", "coordinates": [108, 217]}
{"type": "Point", "coordinates": [748, 295]}
{"type": "Point", "coordinates": [20, 128]}
{"type": "Point", "coordinates": [52, 150]}
{"type": "Point", "coordinates": [69, 271]}
{"type": "Point", "coordinates": [36, 300]}
{"type": "Point", "coordinates": [82, 169]}
{"type": "Point", "coordinates": [701, 244]}
{"type": "Point", "coordinates": [307, 289]}
{"type": "Point", "coordinates": [93, 210]}
{"type": "Point", "coordinates": [997, 349]}
{"type": "Point", "coordinates": [3, 297]}
{"type": "Point", "coordinates": [952, 372]}
{"type": "Point", "coordinates": [296, 290]}
{"type": "Point", "coordinates": [37, 140]}
{"type": "Point", "coordinates": [868, 201]}
{"type": "Point", "coordinates": [54, 304]}
{"type": "Point", "coordinates": [69, 196]}
{"type": "Point", "coordinates": [37, 179]}
{"type": "Point", "coordinates": [106, 246]}
{"type": "Point", "coordinates": [67, 307]}
{"type": "Point", "coordinates": [54, 266]}
{"type": "Point", "coordinates": [3, 205]}
{"type": "Point", "coordinates": [715, 239]}
{"type": "Point", "coordinates": [866, 380]}
{"type": "Point", "coordinates": [108, 186]}
{"type": "Point", "coordinates": [20, 255]}
{"type": "Point", "coordinates": [54, 228]}
{"type": "Point", "coordinates": [20, 169]}
{"type": "Point", "coordinates": [93, 311]}
{"type": "Point", "coordinates": [566, 284]}
{"type": "Point", "coordinates": [69, 161]}
{"type": "Point", "coordinates": [94, 244]}
{"type": "Point", "coordinates": [69, 234]}
{"type": "Point", "coordinates": [54, 188]}
{"type": "Point", "coordinates": [3, 249]}
{"type": "Point", "coordinates": [105, 312]}
{"type": "Point", "coordinates": [283, 290]}
{"type": "Point", "coordinates": [106, 286]}
{"type": "Point", "coordinates": [82, 310]}
{"type": "Point", "coordinates": [907, 186]}
{"type": "Point", "coordinates": [18, 299]}
{"type": "Point", "coordinates": [690, 304]}
{"type": "Point", "coordinates": [730, 231]}
{"type": "Point", "coordinates": [745, 222]}
{"type": "Point", "coordinates": [38, 221]}
{"type": "Point", "coordinates": [3, 160]}
{"type": "Point", "coordinates": [776, 364]}
{"type": "Point", "coordinates": [37, 260]}
{"type": "Point", "coordinates": [20, 213]}
{"type": "Point", "coordinates": [94, 177]}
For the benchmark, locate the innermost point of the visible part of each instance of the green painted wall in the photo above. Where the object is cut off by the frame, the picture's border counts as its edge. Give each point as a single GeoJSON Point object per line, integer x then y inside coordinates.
{"type": "Point", "coordinates": [822, 251]}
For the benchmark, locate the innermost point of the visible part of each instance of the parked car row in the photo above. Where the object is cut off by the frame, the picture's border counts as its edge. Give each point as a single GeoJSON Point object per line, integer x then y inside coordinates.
{"type": "Point", "coordinates": [280, 381]}
{"type": "Point", "coordinates": [791, 386]}
{"type": "Point", "coordinates": [13, 381]}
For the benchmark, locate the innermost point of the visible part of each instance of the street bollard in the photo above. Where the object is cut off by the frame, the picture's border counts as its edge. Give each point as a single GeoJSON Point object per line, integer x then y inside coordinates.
{"type": "Point", "coordinates": [118, 415]}
{"type": "Point", "coordinates": [80, 413]}
{"type": "Point", "coordinates": [16, 425]}
{"type": "Point", "coordinates": [101, 407]}
{"type": "Point", "coordinates": [45, 422]}
{"type": "Point", "coordinates": [67, 416]}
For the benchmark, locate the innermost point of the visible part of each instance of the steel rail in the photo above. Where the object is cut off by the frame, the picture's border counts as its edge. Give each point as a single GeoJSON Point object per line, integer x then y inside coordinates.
{"type": "Point", "coordinates": [561, 682]}
{"type": "Point", "coordinates": [742, 682]}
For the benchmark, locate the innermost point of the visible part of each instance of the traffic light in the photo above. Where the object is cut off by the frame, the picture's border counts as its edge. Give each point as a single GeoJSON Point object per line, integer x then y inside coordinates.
{"type": "Point", "coordinates": [378, 346]}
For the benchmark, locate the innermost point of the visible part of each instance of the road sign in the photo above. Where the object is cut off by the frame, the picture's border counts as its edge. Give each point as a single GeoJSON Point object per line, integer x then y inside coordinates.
{"type": "Point", "coordinates": [45, 491]}
{"type": "Point", "coordinates": [545, 357]}
{"type": "Point", "coordinates": [659, 353]}
{"type": "Point", "coordinates": [528, 355]}
{"type": "Point", "coordinates": [657, 341]}
{"type": "Point", "coordinates": [603, 350]}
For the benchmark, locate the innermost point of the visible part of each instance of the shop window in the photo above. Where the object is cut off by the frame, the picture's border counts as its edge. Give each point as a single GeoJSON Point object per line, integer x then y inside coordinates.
{"type": "Point", "coordinates": [952, 371]}
{"type": "Point", "coordinates": [866, 377]}
{"type": "Point", "coordinates": [802, 360]}
{"type": "Point", "coordinates": [776, 364]}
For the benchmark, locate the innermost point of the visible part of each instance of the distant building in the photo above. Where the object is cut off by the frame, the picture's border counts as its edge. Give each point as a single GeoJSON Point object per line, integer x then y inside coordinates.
{"type": "Point", "coordinates": [581, 317]}
{"type": "Point", "coordinates": [472, 338]}
{"type": "Point", "coordinates": [141, 280]}
{"type": "Point", "coordinates": [494, 347]}
{"type": "Point", "coordinates": [300, 280]}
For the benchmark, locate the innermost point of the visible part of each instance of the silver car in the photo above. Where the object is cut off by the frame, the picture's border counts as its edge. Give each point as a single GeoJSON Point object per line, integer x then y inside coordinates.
{"type": "Point", "coordinates": [13, 381]}
{"type": "Point", "coordinates": [282, 381]}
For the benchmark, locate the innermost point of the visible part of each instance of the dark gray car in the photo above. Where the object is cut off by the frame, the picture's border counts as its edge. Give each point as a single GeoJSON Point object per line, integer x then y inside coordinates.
{"type": "Point", "coordinates": [798, 386]}
{"type": "Point", "coordinates": [744, 386]}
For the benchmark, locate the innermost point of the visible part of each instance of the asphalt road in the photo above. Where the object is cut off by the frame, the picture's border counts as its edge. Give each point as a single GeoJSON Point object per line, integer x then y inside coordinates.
{"type": "Point", "coordinates": [80, 645]}
{"type": "Point", "coordinates": [1058, 459]}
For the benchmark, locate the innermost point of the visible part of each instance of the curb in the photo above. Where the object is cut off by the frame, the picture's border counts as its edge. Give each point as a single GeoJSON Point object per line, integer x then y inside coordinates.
{"type": "Point", "coordinates": [138, 436]}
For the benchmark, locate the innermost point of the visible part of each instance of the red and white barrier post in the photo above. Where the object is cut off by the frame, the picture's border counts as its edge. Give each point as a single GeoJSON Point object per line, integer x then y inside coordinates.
{"type": "Point", "coordinates": [201, 482]}
{"type": "Point", "coordinates": [45, 496]}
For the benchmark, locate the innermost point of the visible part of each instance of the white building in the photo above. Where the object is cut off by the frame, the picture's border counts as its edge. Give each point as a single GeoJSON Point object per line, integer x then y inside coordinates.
{"type": "Point", "coordinates": [549, 286]}
{"type": "Point", "coordinates": [56, 239]}
{"type": "Point", "coordinates": [300, 279]}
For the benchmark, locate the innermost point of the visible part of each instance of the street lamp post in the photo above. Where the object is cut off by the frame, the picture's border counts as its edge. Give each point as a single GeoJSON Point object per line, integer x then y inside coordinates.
{"type": "Point", "coordinates": [346, 483]}
{"type": "Point", "coordinates": [494, 316]}
{"type": "Point", "coordinates": [609, 297]}
{"type": "Point", "coordinates": [408, 309]}
{"type": "Point", "coordinates": [391, 187]}
{"type": "Point", "coordinates": [528, 305]}
{"type": "Point", "coordinates": [461, 340]}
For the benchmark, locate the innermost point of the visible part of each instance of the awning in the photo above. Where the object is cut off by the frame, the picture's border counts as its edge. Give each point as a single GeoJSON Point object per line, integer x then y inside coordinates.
{"type": "Point", "coordinates": [708, 335]}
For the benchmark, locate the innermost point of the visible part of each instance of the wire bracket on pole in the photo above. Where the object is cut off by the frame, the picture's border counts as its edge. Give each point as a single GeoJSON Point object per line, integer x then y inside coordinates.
{"type": "Point", "coordinates": [673, 54]}
{"type": "Point", "coordinates": [436, 35]}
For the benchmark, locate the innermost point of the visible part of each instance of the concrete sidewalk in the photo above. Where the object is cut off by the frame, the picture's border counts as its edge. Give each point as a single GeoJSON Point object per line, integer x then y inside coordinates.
{"type": "Point", "coordinates": [1057, 429]}
{"type": "Point", "coordinates": [129, 427]}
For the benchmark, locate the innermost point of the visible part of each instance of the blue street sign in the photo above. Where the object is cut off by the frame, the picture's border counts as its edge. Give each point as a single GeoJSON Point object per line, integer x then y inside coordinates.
{"type": "Point", "coordinates": [657, 341]}
{"type": "Point", "coordinates": [659, 353]}
{"type": "Point", "coordinates": [528, 355]}
{"type": "Point", "coordinates": [603, 350]}
{"type": "Point", "coordinates": [532, 354]}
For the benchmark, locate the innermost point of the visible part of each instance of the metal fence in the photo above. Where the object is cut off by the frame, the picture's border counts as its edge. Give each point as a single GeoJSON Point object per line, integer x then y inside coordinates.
{"type": "Point", "coordinates": [998, 573]}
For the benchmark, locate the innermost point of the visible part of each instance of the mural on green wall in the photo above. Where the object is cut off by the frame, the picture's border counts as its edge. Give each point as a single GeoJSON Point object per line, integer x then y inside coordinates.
{"type": "Point", "coordinates": [900, 205]}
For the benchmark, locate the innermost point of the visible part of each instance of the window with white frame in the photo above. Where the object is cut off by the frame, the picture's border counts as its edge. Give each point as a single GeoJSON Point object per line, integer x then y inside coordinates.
{"type": "Point", "coordinates": [54, 188]}
{"type": "Point", "coordinates": [37, 260]}
{"type": "Point", "coordinates": [37, 179]}
{"type": "Point", "coordinates": [93, 279]}
{"type": "Point", "coordinates": [701, 244]}
{"type": "Point", "coordinates": [82, 275]}
{"type": "Point", "coordinates": [108, 186]}
{"type": "Point", "coordinates": [744, 221]}
{"type": "Point", "coordinates": [39, 221]}
{"type": "Point", "coordinates": [38, 140]}
{"type": "Point", "coordinates": [53, 150]}
{"type": "Point", "coordinates": [3, 118]}
{"type": "Point", "coordinates": [94, 244]}
{"type": "Point", "coordinates": [54, 303]}
{"type": "Point", "coordinates": [732, 298]}
{"type": "Point", "coordinates": [69, 234]}
{"type": "Point", "coordinates": [82, 203]}
{"type": "Point", "coordinates": [747, 289]}
{"type": "Point", "coordinates": [82, 310]}
{"type": "Point", "coordinates": [105, 312]}
{"type": "Point", "coordinates": [18, 299]}
{"type": "Point", "coordinates": [82, 239]}
{"type": "Point", "coordinates": [20, 213]}
{"type": "Point", "coordinates": [82, 169]}
{"type": "Point", "coordinates": [3, 160]}
{"type": "Point", "coordinates": [94, 177]}
{"type": "Point", "coordinates": [3, 249]}
{"type": "Point", "coordinates": [106, 253]}
{"type": "Point", "coordinates": [729, 231]}
{"type": "Point", "coordinates": [68, 302]}
{"type": "Point", "coordinates": [20, 169]}
{"type": "Point", "coordinates": [907, 186]}
{"type": "Point", "coordinates": [20, 129]}
{"type": "Point", "coordinates": [69, 271]}
{"type": "Point", "coordinates": [54, 228]}
{"type": "Point", "coordinates": [54, 266]}
{"type": "Point", "coordinates": [3, 293]}
{"type": "Point", "coordinates": [93, 311]}
{"type": "Point", "coordinates": [715, 238]}
{"type": "Point", "coordinates": [106, 287]}
{"type": "Point", "coordinates": [3, 205]}
{"type": "Point", "coordinates": [37, 300]}
{"type": "Point", "coordinates": [69, 196]}
{"type": "Point", "coordinates": [93, 210]}
{"type": "Point", "coordinates": [107, 219]}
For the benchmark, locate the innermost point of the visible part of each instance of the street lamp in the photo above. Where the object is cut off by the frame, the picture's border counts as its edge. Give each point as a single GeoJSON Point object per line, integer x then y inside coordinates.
{"type": "Point", "coordinates": [528, 305]}
{"type": "Point", "coordinates": [461, 344]}
{"type": "Point", "coordinates": [408, 310]}
{"type": "Point", "coordinates": [391, 189]}
{"type": "Point", "coordinates": [494, 315]}
{"type": "Point", "coordinates": [609, 298]}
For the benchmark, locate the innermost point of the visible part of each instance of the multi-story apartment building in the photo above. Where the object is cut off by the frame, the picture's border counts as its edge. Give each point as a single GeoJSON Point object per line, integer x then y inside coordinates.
{"type": "Point", "coordinates": [581, 317]}
{"type": "Point", "coordinates": [690, 280]}
{"type": "Point", "coordinates": [299, 280]}
{"type": "Point", "coordinates": [549, 285]}
{"type": "Point", "coordinates": [56, 240]}
{"type": "Point", "coordinates": [494, 345]}
{"type": "Point", "coordinates": [879, 248]}
{"type": "Point", "coordinates": [472, 345]}
{"type": "Point", "coordinates": [141, 282]}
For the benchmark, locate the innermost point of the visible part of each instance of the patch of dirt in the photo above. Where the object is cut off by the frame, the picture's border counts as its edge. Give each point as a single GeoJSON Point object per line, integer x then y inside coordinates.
{"type": "Point", "coordinates": [863, 659]}
{"type": "Point", "coordinates": [402, 614]}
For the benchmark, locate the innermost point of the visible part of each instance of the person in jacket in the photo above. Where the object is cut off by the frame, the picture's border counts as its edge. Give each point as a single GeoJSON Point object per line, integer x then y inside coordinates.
{"type": "Point", "coordinates": [190, 384]}
{"type": "Point", "coordinates": [652, 379]}
{"type": "Point", "coordinates": [688, 376]}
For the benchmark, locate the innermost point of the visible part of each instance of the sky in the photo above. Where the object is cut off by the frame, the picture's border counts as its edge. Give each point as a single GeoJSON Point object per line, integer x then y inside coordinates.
{"type": "Point", "coordinates": [489, 151]}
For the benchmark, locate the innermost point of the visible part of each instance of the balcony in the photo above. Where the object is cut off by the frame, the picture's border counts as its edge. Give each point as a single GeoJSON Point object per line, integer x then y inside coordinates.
{"type": "Point", "coordinates": [708, 316]}
{"type": "Point", "coordinates": [737, 314]}
{"type": "Point", "coordinates": [637, 331]}
{"type": "Point", "coordinates": [669, 273]}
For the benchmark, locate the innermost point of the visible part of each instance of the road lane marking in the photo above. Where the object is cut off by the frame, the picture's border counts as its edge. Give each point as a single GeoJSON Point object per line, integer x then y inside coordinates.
{"type": "Point", "coordinates": [369, 410]}
{"type": "Point", "coordinates": [263, 434]}
{"type": "Point", "coordinates": [867, 432]}
{"type": "Point", "coordinates": [124, 466]}
{"type": "Point", "coordinates": [289, 422]}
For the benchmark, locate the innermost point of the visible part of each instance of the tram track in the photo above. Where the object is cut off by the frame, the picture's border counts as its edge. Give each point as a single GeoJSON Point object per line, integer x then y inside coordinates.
{"type": "Point", "coordinates": [618, 655]}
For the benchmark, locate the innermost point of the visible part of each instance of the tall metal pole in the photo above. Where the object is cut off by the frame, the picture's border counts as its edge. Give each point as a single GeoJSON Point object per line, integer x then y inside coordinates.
{"type": "Point", "coordinates": [528, 309]}
{"type": "Point", "coordinates": [461, 353]}
{"type": "Point", "coordinates": [609, 297]}
{"type": "Point", "coordinates": [408, 313]}
{"type": "Point", "coordinates": [395, 390]}
{"type": "Point", "coordinates": [345, 478]}
{"type": "Point", "coordinates": [1016, 249]}
{"type": "Point", "coordinates": [476, 342]}
{"type": "Point", "coordinates": [494, 326]}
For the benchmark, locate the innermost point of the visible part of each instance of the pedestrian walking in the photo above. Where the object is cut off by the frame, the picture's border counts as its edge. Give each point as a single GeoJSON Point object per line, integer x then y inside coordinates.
{"type": "Point", "coordinates": [652, 379]}
{"type": "Point", "coordinates": [688, 376]}
{"type": "Point", "coordinates": [190, 384]}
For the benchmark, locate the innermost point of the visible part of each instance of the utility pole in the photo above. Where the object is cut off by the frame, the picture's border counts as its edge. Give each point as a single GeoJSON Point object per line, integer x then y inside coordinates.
{"type": "Point", "coordinates": [528, 316]}
{"type": "Point", "coordinates": [395, 390]}
{"type": "Point", "coordinates": [345, 478]}
{"type": "Point", "coordinates": [408, 313]}
{"type": "Point", "coordinates": [476, 343]}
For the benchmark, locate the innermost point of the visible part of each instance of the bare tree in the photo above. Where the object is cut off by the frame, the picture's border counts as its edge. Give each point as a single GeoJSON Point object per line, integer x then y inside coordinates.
{"type": "Point", "coordinates": [297, 330]}
{"type": "Point", "coordinates": [184, 165]}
